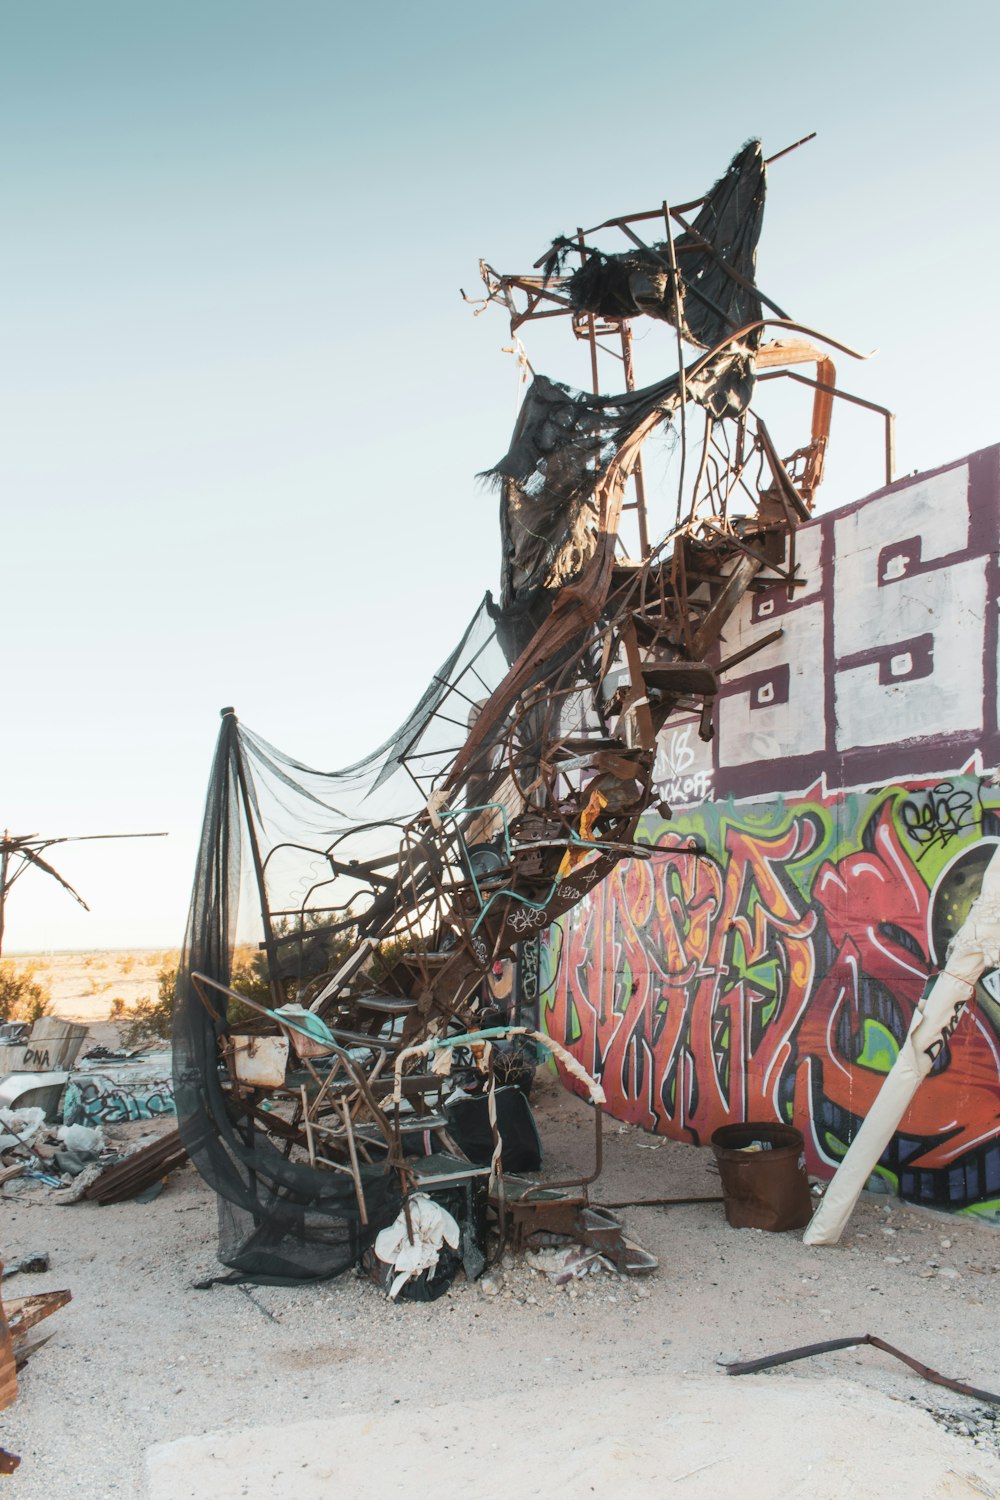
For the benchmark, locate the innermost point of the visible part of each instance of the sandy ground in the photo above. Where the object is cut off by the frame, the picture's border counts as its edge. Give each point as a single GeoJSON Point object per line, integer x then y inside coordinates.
{"type": "Point", "coordinates": [153, 1390]}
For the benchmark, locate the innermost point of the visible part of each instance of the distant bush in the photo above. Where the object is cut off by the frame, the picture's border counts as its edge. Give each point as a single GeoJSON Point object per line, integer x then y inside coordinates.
{"type": "Point", "coordinates": [152, 1020]}
{"type": "Point", "coordinates": [23, 996]}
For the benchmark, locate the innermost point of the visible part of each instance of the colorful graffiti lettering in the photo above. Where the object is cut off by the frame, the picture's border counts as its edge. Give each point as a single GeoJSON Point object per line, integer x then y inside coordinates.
{"type": "Point", "coordinates": [98, 1099]}
{"type": "Point", "coordinates": [777, 976]}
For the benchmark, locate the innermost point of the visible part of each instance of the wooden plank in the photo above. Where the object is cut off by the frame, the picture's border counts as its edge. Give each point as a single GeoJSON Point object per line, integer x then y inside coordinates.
{"type": "Point", "coordinates": [22, 1313]}
{"type": "Point", "coordinates": [8, 1368]}
{"type": "Point", "coordinates": [138, 1171]}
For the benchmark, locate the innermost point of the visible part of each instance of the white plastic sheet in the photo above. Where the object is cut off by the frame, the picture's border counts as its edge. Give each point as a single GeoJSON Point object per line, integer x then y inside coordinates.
{"type": "Point", "coordinates": [433, 1226]}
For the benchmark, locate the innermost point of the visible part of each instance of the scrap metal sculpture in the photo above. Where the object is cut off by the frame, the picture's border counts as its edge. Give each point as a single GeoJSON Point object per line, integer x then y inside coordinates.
{"type": "Point", "coordinates": [390, 890]}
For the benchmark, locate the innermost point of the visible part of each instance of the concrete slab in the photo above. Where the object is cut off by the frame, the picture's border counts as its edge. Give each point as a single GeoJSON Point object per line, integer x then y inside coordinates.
{"type": "Point", "coordinates": [754, 1438]}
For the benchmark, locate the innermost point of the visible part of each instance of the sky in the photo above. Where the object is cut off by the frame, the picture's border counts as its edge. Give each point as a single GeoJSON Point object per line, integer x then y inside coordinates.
{"type": "Point", "coordinates": [245, 405]}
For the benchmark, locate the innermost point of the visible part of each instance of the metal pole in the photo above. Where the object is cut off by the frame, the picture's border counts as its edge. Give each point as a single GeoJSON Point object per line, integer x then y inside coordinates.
{"type": "Point", "coordinates": [681, 372]}
{"type": "Point", "coordinates": [637, 475]}
{"type": "Point", "coordinates": [890, 447]}
{"type": "Point", "coordinates": [3, 880]}
{"type": "Point", "coordinates": [591, 326]}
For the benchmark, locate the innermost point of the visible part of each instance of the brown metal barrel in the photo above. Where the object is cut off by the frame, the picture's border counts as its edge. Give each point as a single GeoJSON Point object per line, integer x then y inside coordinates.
{"type": "Point", "coordinates": [763, 1188]}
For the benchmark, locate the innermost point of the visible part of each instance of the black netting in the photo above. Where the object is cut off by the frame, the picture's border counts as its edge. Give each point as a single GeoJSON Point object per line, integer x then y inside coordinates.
{"type": "Point", "coordinates": [278, 1218]}
{"type": "Point", "coordinates": [280, 847]}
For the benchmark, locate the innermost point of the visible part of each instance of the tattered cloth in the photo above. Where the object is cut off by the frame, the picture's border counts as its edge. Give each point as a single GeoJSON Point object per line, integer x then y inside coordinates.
{"type": "Point", "coordinates": [713, 302]}
{"type": "Point", "coordinates": [563, 443]}
{"type": "Point", "coordinates": [412, 1246]}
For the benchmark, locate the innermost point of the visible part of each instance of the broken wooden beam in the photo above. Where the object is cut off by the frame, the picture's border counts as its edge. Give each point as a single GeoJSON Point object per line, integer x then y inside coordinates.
{"type": "Point", "coordinates": [138, 1171]}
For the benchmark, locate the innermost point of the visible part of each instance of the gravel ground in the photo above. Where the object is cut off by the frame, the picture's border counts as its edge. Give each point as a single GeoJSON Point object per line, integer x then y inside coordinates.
{"type": "Point", "coordinates": [140, 1357]}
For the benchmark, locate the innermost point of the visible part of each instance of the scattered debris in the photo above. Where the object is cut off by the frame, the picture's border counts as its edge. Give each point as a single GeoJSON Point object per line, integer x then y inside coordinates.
{"type": "Point", "coordinates": [32, 1265]}
{"type": "Point", "coordinates": [980, 1425]}
{"type": "Point", "coordinates": [20, 1126]}
{"type": "Point", "coordinates": [411, 1246]}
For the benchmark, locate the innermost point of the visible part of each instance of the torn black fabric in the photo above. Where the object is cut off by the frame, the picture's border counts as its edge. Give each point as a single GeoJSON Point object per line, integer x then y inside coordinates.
{"type": "Point", "coordinates": [563, 444]}
{"type": "Point", "coordinates": [716, 261]}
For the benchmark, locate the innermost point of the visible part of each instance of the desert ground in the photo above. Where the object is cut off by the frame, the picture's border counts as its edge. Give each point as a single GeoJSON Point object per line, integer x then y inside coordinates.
{"type": "Point", "coordinates": [84, 986]}
{"type": "Point", "coordinates": [153, 1390]}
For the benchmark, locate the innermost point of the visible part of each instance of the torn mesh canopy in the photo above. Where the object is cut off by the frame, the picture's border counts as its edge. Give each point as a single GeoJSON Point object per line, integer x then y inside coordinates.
{"type": "Point", "coordinates": [280, 1217]}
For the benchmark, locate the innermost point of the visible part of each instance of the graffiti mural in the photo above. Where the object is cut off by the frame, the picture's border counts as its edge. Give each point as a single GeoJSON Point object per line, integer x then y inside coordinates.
{"type": "Point", "coordinates": [127, 1094]}
{"type": "Point", "coordinates": [777, 975]}
{"type": "Point", "coordinates": [886, 664]}
{"type": "Point", "coordinates": [847, 808]}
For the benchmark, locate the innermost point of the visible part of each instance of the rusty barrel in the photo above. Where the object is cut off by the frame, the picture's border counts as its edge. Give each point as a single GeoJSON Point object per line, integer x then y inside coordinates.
{"type": "Point", "coordinates": [763, 1170]}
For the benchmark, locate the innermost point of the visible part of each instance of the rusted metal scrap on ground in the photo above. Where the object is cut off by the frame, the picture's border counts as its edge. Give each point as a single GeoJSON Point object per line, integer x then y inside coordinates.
{"type": "Point", "coordinates": [831, 1346]}
{"type": "Point", "coordinates": [150, 1164]}
{"type": "Point", "coordinates": [392, 893]}
{"type": "Point", "coordinates": [18, 1316]}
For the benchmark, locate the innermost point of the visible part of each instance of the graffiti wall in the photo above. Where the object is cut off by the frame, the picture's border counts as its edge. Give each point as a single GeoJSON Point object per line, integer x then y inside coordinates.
{"type": "Point", "coordinates": [847, 806]}
{"type": "Point", "coordinates": [130, 1091]}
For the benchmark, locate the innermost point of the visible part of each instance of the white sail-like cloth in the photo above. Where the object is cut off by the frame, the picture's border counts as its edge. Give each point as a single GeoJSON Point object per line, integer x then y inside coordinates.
{"type": "Point", "coordinates": [974, 949]}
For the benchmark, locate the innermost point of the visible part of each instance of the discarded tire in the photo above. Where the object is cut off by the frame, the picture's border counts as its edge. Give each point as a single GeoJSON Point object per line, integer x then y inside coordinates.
{"type": "Point", "coordinates": [763, 1171]}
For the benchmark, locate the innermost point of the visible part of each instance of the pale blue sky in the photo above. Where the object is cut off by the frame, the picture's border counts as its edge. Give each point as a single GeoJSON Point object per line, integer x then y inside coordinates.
{"type": "Point", "coordinates": [244, 404]}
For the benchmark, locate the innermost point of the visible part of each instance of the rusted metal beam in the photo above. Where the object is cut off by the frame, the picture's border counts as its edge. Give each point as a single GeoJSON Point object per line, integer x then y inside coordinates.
{"type": "Point", "coordinates": [842, 395]}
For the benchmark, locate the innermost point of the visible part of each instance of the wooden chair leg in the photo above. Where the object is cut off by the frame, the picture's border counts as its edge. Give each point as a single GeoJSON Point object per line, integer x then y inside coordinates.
{"type": "Point", "coordinates": [356, 1170]}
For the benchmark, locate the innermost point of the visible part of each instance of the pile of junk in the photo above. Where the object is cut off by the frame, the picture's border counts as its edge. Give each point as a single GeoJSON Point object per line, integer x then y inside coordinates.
{"type": "Point", "coordinates": [357, 1094]}
{"type": "Point", "coordinates": [69, 1118]}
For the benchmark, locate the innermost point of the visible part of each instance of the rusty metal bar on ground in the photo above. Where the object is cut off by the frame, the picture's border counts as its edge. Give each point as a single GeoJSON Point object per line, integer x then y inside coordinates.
{"type": "Point", "coordinates": [829, 1346]}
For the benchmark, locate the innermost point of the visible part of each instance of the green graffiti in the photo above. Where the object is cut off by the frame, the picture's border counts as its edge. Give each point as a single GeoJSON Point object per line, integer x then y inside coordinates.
{"type": "Point", "coordinates": [987, 1213]}
{"type": "Point", "coordinates": [880, 1049]}
{"type": "Point", "coordinates": [806, 940]}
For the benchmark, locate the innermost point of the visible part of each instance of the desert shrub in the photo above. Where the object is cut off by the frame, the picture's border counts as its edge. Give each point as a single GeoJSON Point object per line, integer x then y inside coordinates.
{"type": "Point", "coordinates": [152, 1020]}
{"type": "Point", "coordinates": [23, 996]}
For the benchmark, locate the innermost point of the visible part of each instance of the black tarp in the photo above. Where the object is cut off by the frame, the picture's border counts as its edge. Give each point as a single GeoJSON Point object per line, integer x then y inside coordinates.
{"type": "Point", "coordinates": [715, 261]}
